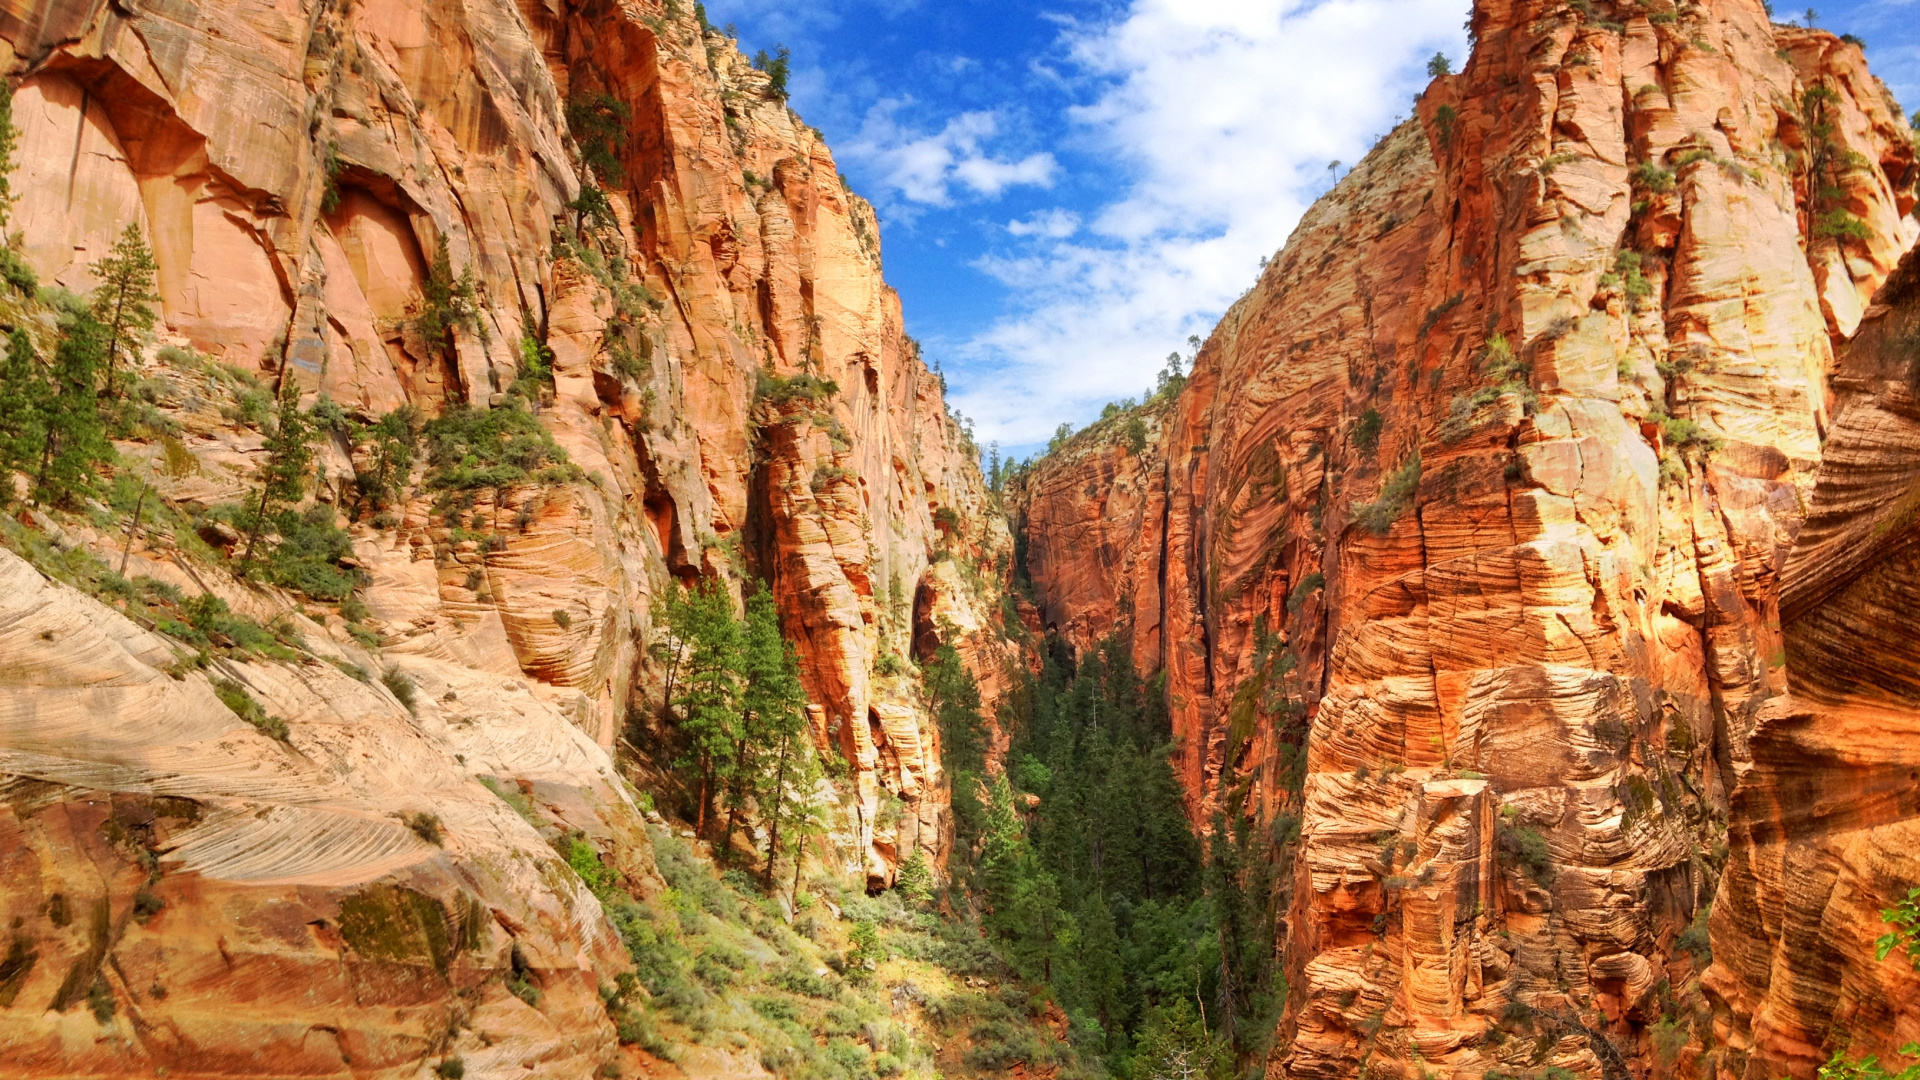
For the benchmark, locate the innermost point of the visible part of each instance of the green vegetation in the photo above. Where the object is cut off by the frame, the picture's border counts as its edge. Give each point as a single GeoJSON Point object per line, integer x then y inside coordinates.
{"type": "Point", "coordinates": [1904, 917]}
{"type": "Point", "coordinates": [1828, 163]}
{"type": "Point", "coordinates": [446, 302]}
{"type": "Point", "coordinates": [471, 448]}
{"type": "Point", "coordinates": [1366, 431]}
{"type": "Point", "coordinates": [738, 711]}
{"type": "Point", "coordinates": [1528, 849]}
{"type": "Point", "coordinates": [123, 301]}
{"type": "Point", "coordinates": [1627, 276]}
{"type": "Point", "coordinates": [803, 388]}
{"type": "Point", "coordinates": [1508, 374]}
{"type": "Point", "coordinates": [235, 697]}
{"type": "Point", "coordinates": [1841, 1067]}
{"type": "Point", "coordinates": [778, 68]}
{"type": "Point", "coordinates": [598, 122]}
{"type": "Point", "coordinates": [1396, 496]}
{"type": "Point", "coordinates": [1439, 66]}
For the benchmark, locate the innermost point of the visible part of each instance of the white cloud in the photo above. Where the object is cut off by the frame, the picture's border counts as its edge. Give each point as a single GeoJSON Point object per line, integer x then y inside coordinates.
{"type": "Point", "coordinates": [933, 169]}
{"type": "Point", "coordinates": [1222, 115]}
{"type": "Point", "coordinates": [1055, 224]}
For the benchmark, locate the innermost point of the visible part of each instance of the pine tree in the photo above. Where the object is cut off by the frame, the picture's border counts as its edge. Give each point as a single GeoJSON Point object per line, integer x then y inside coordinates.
{"type": "Point", "coordinates": [9, 142]}
{"type": "Point", "coordinates": [75, 439]}
{"type": "Point", "coordinates": [774, 714]}
{"type": "Point", "coordinates": [24, 397]}
{"type": "Point", "coordinates": [122, 301]}
{"type": "Point", "coordinates": [707, 667]}
{"type": "Point", "coordinates": [283, 479]}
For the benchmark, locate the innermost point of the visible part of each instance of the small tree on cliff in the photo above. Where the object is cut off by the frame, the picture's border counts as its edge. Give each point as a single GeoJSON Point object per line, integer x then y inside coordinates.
{"type": "Point", "coordinates": [283, 479]}
{"type": "Point", "coordinates": [123, 301]}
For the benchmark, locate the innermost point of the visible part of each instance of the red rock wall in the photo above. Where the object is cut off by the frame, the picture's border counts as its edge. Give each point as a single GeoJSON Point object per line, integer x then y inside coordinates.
{"type": "Point", "coordinates": [296, 165]}
{"type": "Point", "coordinates": [1565, 636]}
{"type": "Point", "coordinates": [1826, 822]}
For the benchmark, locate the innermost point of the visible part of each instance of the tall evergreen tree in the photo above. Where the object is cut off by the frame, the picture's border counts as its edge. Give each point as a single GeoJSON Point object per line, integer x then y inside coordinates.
{"type": "Point", "coordinates": [774, 705]}
{"type": "Point", "coordinates": [75, 439]}
{"type": "Point", "coordinates": [283, 479]}
{"type": "Point", "coordinates": [24, 397]}
{"type": "Point", "coordinates": [123, 300]}
{"type": "Point", "coordinates": [706, 674]}
{"type": "Point", "coordinates": [9, 142]}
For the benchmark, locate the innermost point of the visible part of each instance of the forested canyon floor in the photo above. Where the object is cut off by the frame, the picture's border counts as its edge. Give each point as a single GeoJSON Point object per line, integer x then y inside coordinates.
{"type": "Point", "coordinates": [490, 587]}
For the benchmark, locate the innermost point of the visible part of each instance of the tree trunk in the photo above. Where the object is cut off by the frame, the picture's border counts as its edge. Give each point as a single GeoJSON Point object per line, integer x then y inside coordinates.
{"type": "Point", "coordinates": [773, 817]}
{"type": "Point", "coordinates": [133, 532]}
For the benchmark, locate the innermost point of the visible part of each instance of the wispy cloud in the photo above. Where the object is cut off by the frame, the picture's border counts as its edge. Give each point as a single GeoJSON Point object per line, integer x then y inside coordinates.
{"type": "Point", "coordinates": [1222, 115]}
{"type": "Point", "coordinates": [935, 168]}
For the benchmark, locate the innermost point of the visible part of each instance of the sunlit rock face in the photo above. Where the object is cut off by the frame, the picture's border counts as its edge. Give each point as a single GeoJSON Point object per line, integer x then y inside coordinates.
{"type": "Point", "coordinates": [298, 168]}
{"type": "Point", "coordinates": [1463, 552]}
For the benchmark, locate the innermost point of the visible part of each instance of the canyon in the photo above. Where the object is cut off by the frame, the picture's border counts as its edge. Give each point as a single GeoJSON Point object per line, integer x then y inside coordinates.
{"type": "Point", "coordinates": [1526, 555]}
{"type": "Point", "coordinates": [1510, 542]}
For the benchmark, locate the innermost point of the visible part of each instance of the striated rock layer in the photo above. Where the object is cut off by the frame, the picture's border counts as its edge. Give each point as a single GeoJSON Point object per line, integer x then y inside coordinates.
{"type": "Point", "coordinates": [1461, 547]}
{"type": "Point", "coordinates": [298, 167]}
{"type": "Point", "coordinates": [1826, 821]}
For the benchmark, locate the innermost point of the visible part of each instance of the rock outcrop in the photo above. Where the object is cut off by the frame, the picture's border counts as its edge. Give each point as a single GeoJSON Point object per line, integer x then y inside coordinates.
{"type": "Point", "coordinates": [1462, 545]}
{"type": "Point", "coordinates": [729, 377]}
{"type": "Point", "coordinates": [1826, 821]}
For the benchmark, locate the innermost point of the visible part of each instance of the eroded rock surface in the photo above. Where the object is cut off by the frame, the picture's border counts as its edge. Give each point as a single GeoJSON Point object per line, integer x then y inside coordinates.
{"type": "Point", "coordinates": [1462, 546]}
{"type": "Point", "coordinates": [729, 375]}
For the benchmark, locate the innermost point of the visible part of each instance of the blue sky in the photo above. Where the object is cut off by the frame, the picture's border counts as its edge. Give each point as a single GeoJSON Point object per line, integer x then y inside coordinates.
{"type": "Point", "coordinates": [1068, 189]}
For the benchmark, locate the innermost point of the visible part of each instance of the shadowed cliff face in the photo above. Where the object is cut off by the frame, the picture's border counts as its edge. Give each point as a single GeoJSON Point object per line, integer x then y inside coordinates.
{"type": "Point", "coordinates": [1462, 547]}
{"type": "Point", "coordinates": [297, 167]}
{"type": "Point", "coordinates": [1824, 823]}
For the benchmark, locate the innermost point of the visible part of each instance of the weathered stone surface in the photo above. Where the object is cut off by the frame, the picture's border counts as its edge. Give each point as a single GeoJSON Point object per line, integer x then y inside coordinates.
{"type": "Point", "coordinates": [1826, 821]}
{"type": "Point", "coordinates": [296, 166]}
{"type": "Point", "coordinates": [1571, 607]}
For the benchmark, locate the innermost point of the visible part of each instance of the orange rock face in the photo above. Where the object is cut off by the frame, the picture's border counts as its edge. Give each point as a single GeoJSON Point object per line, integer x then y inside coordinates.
{"type": "Point", "coordinates": [1480, 500]}
{"type": "Point", "coordinates": [1826, 821]}
{"type": "Point", "coordinates": [730, 375]}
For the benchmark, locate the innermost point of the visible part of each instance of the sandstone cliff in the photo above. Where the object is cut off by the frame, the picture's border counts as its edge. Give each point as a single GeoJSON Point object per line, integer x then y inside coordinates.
{"type": "Point", "coordinates": [1824, 820]}
{"type": "Point", "coordinates": [1462, 546]}
{"type": "Point", "coordinates": [730, 378]}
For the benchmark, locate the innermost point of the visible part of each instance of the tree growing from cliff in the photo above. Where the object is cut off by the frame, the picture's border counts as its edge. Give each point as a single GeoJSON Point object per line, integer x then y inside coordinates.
{"type": "Point", "coordinates": [73, 443]}
{"type": "Point", "coordinates": [283, 478]}
{"type": "Point", "coordinates": [778, 67]}
{"type": "Point", "coordinates": [772, 709]}
{"type": "Point", "coordinates": [599, 125]}
{"type": "Point", "coordinates": [24, 397]}
{"type": "Point", "coordinates": [123, 301]}
{"type": "Point", "coordinates": [446, 301]}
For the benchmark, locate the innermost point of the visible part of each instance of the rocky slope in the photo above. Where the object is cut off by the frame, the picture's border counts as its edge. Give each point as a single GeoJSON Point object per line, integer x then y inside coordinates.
{"type": "Point", "coordinates": [729, 375]}
{"type": "Point", "coordinates": [1462, 547]}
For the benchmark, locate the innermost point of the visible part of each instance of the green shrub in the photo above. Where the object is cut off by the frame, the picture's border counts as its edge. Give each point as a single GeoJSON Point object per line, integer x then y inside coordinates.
{"type": "Point", "coordinates": [1904, 917]}
{"type": "Point", "coordinates": [400, 685]}
{"type": "Point", "coordinates": [1840, 1067]}
{"type": "Point", "coordinates": [477, 448]}
{"type": "Point", "coordinates": [1396, 496]}
{"type": "Point", "coordinates": [1309, 585]}
{"type": "Point", "coordinates": [1366, 431]}
{"type": "Point", "coordinates": [781, 390]}
{"type": "Point", "coordinates": [1524, 845]}
{"type": "Point", "coordinates": [1651, 176]}
{"type": "Point", "coordinates": [598, 122]}
{"type": "Point", "coordinates": [451, 1069]}
{"type": "Point", "coordinates": [235, 697]}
